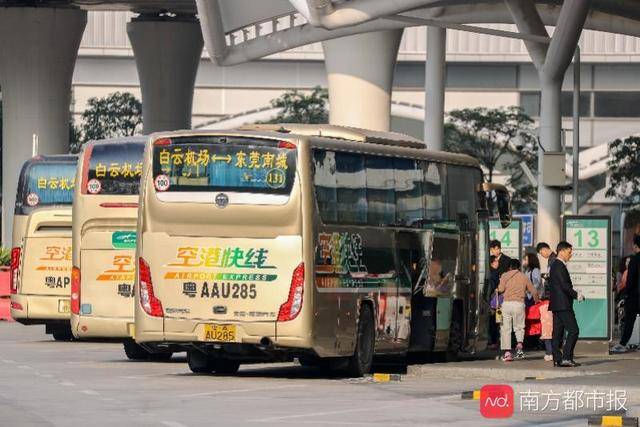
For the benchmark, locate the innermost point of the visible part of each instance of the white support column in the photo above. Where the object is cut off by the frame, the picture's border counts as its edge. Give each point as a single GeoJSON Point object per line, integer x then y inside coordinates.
{"type": "Point", "coordinates": [167, 52]}
{"type": "Point", "coordinates": [434, 87]}
{"type": "Point", "coordinates": [360, 74]}
{"type": "Point", "coordinates": [38, 50]}
{"type": "Point", "coordinates": [551, 63]}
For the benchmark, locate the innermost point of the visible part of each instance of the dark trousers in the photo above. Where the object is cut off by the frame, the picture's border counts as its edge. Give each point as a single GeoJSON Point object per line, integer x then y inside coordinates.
{"type": "Point", "coordinates": [564, 321]}
{"type": "Point", "coordinates": [630, 313]}
{"type": "Point", "coordinates": [494, 330]}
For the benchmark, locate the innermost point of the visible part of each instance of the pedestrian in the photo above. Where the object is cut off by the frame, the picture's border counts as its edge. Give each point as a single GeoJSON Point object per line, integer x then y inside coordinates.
{"type": "Point", "coordinates": [514, 286]}
{"type": "Point", "coordinates": [495, 249]}
{"type": "Point", "coordinates": [630, 293]}
{"type": "Point", "coordinates": [531, 266]}
{"type": "Point", "coordinates": [561, 296]}
{"type": "Point", "coordinates": [494, 279]}
{"type": "Point", "coordinates": [544, 250]}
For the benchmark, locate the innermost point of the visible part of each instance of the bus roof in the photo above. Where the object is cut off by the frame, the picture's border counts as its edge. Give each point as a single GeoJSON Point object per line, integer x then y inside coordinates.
{"type": "Point", "coordinates": [46, 158]}
{"type": "Point", "coordinates": [137, 138]}
{"type": "Point", "coordinates": [341, 132]}
{"type": "Point", "coordinates": [350, 138]}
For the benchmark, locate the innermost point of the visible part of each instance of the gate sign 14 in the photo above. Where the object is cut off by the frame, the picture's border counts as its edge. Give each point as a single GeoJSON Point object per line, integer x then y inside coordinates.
{"type": "Point", "coordinates": [589, 269]}
{"type": "Point", "coordinates": [510, 238]}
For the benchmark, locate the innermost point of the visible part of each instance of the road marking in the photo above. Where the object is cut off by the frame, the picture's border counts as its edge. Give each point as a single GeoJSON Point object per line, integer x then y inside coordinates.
{"type": "Point", "coordinates": [244, 390]}
{"type": "Point", "coordinates": [172, 424]}
{"type": "Point", "coordinates": [46, 375]}
{"type": "Point", "coordinates": [91, 392]}
{"type": "Point", "coordinates": [320, 414]}
{"type": "Point", "coordinates": [67, 383]}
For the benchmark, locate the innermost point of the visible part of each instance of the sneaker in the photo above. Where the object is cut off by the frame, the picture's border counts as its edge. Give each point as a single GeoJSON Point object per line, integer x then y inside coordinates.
{"type": "Point", "coordinates": [519, 351]}
{"type": "Point", "coordinates": [507, 357]}
{"type": "Point", "coordinates": [548, 357]}
{"type": "Point", "coordinates": [619, 348]}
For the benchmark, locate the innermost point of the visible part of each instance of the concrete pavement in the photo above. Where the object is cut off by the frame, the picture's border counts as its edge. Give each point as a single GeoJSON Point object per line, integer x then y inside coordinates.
{"type": "Point", "coordinates": [48, 383]}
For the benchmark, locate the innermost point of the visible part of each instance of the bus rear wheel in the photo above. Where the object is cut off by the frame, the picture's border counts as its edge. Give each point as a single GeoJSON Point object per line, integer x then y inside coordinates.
{"type": "Point", "coordinates": [134, 351]}
{"type": "Point", "coordinates": [63, 335]}
{"type": "Point", "coordinates": [200, 363]}
{"type": "Point", "coordinates": [226, 366]}
{"type": "Point", "coordinates": [362, 360]}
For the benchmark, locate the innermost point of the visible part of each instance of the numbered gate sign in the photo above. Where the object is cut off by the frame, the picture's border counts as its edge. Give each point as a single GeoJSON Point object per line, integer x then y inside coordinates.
{"type": "Point", "coordinates": [510, 238]}
{"type": "Point", "coordinates": [589, 269]}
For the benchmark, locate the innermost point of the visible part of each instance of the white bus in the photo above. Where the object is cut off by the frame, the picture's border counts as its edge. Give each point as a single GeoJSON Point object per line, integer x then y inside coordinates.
{"type": "Point", "coordinates": [319, 242]}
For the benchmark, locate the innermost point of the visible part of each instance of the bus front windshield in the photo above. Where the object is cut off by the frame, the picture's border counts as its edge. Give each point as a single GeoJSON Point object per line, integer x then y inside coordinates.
{"type": "Point", "coordinates": [235, 165]}
{"type": "Point", "coordinates": [46, 184]}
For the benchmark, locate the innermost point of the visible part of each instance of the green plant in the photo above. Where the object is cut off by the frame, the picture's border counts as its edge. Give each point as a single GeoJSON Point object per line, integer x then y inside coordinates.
{"type": "Point", "coordinates": [5, 257]}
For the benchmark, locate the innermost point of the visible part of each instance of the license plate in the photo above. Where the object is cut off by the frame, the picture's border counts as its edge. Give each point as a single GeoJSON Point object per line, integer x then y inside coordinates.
{"type": "Point", "coordinates": [64, 306]}
{"type": "Point", "coordinates": [221, 333]}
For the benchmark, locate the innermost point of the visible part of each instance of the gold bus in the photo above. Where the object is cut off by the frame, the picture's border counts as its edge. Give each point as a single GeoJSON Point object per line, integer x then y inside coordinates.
{"type": "Point", "coordinates": [105, 213]}
{"type": "Point", "coordinates": [330, 244]}
{"type": "Point", "coordinates": [41, 246]}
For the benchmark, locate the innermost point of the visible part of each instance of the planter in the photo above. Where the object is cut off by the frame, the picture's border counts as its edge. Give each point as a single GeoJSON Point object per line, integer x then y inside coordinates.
{"type": "Point", "coordinates": [5, 281]}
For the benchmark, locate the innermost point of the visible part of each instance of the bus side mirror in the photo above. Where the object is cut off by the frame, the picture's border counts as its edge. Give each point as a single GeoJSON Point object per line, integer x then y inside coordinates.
{"type": "Point", "coordinates": [500, 199]}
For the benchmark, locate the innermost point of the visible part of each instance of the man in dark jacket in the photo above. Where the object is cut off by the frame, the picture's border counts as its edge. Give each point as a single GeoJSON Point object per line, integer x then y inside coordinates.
{"type": "Point", "coordinates": [631, 295]}
{"type": "Point", "coordinates": [495, 249]}
{"type": "Point", "coordinates": [544, 250]}
{"type": "Point", "coordinates": [561, 296]}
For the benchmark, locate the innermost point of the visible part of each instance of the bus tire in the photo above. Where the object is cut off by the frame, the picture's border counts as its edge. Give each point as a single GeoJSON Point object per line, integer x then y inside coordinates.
{"type": "Point", "coordinates": [226, 366]}
{"type": "Point", "coordinates": [200, 363]}
{"type": "Point", "coordinates": [362, 360]}
{"type": "Point", "coordinates": [309, 361]}
{"type": "Point", "coordinates": [161, 357]}
{"type": "Point", "coordinates": [62, 335]}
{"type": "Point", "coordinates": [134, 351]}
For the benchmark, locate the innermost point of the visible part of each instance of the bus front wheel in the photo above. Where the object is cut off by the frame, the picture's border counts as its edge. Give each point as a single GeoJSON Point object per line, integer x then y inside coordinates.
{"type": "Point", "coordinates": [200, 363]}
{"type": "Point", "coordinates": [134, 351]}
{"type": "Point", "coordinates": [362, 360]}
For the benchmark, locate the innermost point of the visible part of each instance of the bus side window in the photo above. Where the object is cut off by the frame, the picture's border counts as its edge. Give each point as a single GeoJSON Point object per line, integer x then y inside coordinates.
{"type": "Point", "coordinates": [409, 186]}
{"type": "Point", "coordinates": [326, 186]}
{"type": "Point", "coordinates": [351, 189]}
{"type": "Point", "coordinates": [434, 191]}
{"type": "Point", "coordinates": [462, 197]}
{"type": "Point", "coordinates": [381, 196]}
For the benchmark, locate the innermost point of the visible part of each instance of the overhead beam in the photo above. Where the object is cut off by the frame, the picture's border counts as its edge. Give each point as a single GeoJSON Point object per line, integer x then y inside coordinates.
{"type": "Point", "coordinates": [469, 28]}
{"type": "Point", "coordinates": [527, 19]}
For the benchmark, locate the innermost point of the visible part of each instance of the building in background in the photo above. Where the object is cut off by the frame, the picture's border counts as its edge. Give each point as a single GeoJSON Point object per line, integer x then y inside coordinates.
{"type": "Point", "coordinates": [482, 70]}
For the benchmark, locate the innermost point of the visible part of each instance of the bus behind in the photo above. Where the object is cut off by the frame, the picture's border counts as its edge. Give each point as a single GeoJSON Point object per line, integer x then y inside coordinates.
{"type": "Point", "coordinates": [104, 240]}
{"type": "Point", "coordinates": [41, 253]}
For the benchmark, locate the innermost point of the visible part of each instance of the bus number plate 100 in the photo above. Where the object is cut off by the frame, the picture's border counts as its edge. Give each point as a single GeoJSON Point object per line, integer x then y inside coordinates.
{"type": "Point", "coordinates": [220, 333]}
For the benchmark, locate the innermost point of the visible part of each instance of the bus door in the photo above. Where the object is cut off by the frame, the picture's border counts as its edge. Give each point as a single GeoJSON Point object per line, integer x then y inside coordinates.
{"type": "Point", "coordinates": [479, 313]}
{"type": "Point", "coordinates": [411, 260]}
{"type": "Point", "coordinates": [441, 281]}
{"type": "Point", "coordinates": [432, 297]}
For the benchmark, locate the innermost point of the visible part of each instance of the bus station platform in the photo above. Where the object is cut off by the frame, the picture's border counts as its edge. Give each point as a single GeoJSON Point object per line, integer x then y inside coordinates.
{"type": "Point", "coordinates": [606, 371]}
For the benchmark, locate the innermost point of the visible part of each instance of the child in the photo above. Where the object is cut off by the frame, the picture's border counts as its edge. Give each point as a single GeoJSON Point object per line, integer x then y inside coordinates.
{"type": "Point", "coordinates": [546, 319]}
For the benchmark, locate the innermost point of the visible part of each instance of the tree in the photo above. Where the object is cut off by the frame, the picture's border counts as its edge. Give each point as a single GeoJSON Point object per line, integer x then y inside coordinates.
{"type": "Point", "coordinates": [499, 138]}
{"type": "Point", "coordinates": [117, 114]}
{"type": "Point", "coordinates": [299, 107]}
{"type": "Point", "coordinates": [624, 167]}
